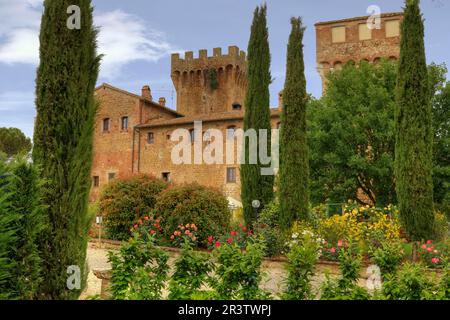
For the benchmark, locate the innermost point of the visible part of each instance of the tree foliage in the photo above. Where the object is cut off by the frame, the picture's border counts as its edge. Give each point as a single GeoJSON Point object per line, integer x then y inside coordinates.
{"type": "Point", "coordinates": [294, 167]}
{"type": "Point", "coordinates": [13, 141]}
{"type": "Point", "coordinates": [254, 185]}
{"type": "Point", "coordinates": [63, 135]}
{"type": "Point", "coordinates": [414, 131]}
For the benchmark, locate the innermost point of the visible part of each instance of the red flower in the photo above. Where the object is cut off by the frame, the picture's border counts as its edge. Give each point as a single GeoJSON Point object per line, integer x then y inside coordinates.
{"type": "Point", "coordinates": [217, 244]}
{"type": "Point", "coordinates": [152, 232]}
{"type": "Point", "coordinates": [233, 233]}
{"type": "Point", "coordinates": [146, 218]}
{"type": "Point", "coordinates": [187, 232]}
{"type": "Point", "coordinates": [210, 239]}
{"type": "Point", "coordinates": [244, 229]}
{"type": "Point", "coordinates": [230, 240]}
{"type": "Point", "coordinates": [429, 249]}
{"type": "Point", "coordinates": [424, 246]}
{"type": "Point", "coordinates": [333, 250]}
{"type": "Point", "coordinates": [435, 260]}
{"type": "Point", "coordinates": [429, 241]}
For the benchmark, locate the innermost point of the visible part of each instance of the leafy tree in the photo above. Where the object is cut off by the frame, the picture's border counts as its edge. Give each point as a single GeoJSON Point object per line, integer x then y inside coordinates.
{"type": "Point", "coordinates": [414, 131]}
{"type": "Point", "coordinates": [63, 135]}
{"type": "Point", "coordinates": [294, 167]}
{"type": "Point", "coordinates": [13, 141]}
{"type": "Point", "coordinates": [351, 136]}
{"type": "Point", "coordinates": [254, 184]}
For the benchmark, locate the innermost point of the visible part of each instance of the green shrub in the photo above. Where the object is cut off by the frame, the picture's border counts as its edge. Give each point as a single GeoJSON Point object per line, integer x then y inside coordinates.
{"type": "Point", "coordinates": [206, 208]}
{"type": "Point", "coordinates": [388, 257]}
{"type": "Point", "coordinates": [441, 230]}
{"type": "Point", "coordinates": [302, 257]}
{"type": "Point", "coordinates": [346, 287]}
{"type": "Point", "coordinates": [191, 273]}
{"type": "Point", "coordinates": [139, 271]}
{"type": "Point", "coordinates": [410, 283]}
{"type": "Point", "coordinates": [238, 272]}
{"type": "Point", "coordinates": [267, 226]}
{"type": "Point", "coordinates": [124, 201]}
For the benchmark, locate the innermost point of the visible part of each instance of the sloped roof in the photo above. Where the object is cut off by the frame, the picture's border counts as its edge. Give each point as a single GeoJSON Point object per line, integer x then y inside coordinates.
{"type": "Point", "coordinates": [212, 117]}
{"type": "Point", "coordinates": [106, 85]}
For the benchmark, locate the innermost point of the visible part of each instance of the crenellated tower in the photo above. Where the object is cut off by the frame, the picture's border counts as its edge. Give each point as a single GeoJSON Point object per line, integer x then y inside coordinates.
{"type": "Point", "coordinates": [207, 85]}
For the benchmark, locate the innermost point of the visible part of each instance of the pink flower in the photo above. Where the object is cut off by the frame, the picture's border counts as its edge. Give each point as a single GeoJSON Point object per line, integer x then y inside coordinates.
{"type": "Point", "coordinates": [429, 249]}
{"type": "Point", "coordinates": [233, 233]}
{"type": "Point", "coordinates": [172, 237]}
{"type": "Point", "coordinates": [333, 250]}
{"type": "Point", "coordinates": [339, 243]}
{"type": "Point", "coordinates": [187, 232]}
{"type": "Point", "coordinates": [429, 241]}
{"type": "Point", "coordinates": [136, 226]}
{"type": "Point", "coordinates": [146, 218]}
{"type": "Point", "coordinates": [230, 240]}
{"type": "Point", "coordinates": [140, 221]}
{"type": "Point", "coordinates": [217, 244]}
{"type": "Point", "coordinates": [435, 260]}
{"type": "Point", "coordinates": [152, 232]}
{"type": "Point", "coordinates": [424, 246]}
{"type": "Point", "coordinates": [244, 229]}
{"type": "Point", "coordinates": [210, 239]}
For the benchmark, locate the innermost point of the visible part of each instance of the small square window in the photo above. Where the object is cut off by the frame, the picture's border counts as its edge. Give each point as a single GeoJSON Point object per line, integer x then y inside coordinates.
{"type": "Point", "coordinates": [166, 176]}
{"type": "Point", "coordinates": [111, 176]}
{"type": "Point", "coordinates": [106, 124]}
{"type": "Point", "coordinates": [364, 32]}
{"type": "Point", "coordinates": [124, 125]}
{"type": "Point", "coordinates": [96, 181]}
{"type": "Point", "coordinates": [237, 106]}
{"type": "Point", "coordinates": [150, 138]}
{"type": "Point", "coordinates": [392, 28]}
{"type": "Point", "coordinates": [231, 175]}
{"type": "Point", "coordinates": [338, 34]}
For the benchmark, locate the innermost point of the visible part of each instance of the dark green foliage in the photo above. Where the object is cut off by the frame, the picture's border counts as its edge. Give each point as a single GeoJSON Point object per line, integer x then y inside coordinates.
{"type": "Point", "coordinates": [191, 273]}
{"type": "Point", "coordinates": [139, 271]}
{"type": "Point", "coordinates": [7, 234]}
{"type": "Point", "coordinates": [268, 228]}
{"type": "Point", "coordinates": [294, 166]}
{"type": "Point", "coordinates": [13, 141]}
{"type": "Point", "coordinates": [255, 185]}
{"type": "Point", "coordinates": [124, 201]}
{"type": "Point", "coordinates": [63, 136]}
{"type": "Point", "coordinates": [206, 208]}
{"type": "Point", "coordinates": [25, 204]}
{"type": "Point", "coordinates": [388, 257]}
{"type": "Point", "coordinates": [441, 146]}
{"type": "Point", "coordinates": [414, 132]}
{"type": "Point", "coordinates": [351, 135]}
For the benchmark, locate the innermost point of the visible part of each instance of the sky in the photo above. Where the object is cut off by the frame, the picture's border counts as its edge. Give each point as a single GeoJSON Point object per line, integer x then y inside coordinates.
{"type": "Point", "coordinates": [137, 38]}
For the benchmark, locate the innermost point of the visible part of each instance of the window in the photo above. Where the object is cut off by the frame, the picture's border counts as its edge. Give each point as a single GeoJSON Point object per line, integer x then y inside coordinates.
{"type": "Point", "coordinates": [231, 130]}
{"type": "Point", "coordinates": [364, 32]}
{"type": "Point", "coordinates": [392, 28]}
{"type": "Point", "coordinates": [106, 125]}
{"type": "Point", "coordinates": [237, 106]}
{"type": "Point", "coordinates": [338, 34]}
{"type": "Point", "coordinates": [231, 175]}
{"type": "Point", "coordinates": [111, 176]}
{"type": "Point", "coordinates": [124, 125]}
{"type": "Point", "coordinates": [150, 138]}
{"type": "Point", "coordinates": [166, 176]}
{"type": "Point", "coordinates": [96, 181]}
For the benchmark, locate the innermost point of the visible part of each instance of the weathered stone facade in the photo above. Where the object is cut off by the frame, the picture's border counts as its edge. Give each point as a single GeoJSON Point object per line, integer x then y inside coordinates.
{"type": "Point", "coordinates": [341, 41]}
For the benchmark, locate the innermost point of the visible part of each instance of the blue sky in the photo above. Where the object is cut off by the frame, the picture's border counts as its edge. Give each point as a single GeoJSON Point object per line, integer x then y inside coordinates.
{"type": "Point", "coordinates": [138, 36]}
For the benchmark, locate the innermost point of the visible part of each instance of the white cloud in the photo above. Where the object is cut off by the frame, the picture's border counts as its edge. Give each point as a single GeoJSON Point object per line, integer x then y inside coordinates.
{"type": "Point", "coordinates": [123, 37]}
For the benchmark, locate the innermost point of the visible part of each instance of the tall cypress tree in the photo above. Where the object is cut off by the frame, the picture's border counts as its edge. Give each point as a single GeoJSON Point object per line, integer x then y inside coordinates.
{"type": "Point", "coordinates": [294, 166]}
{"type": "Point", "coordinates": [414, 133]}
{"type": "Point", "coordinates": [254, 185]}
{"type": "Point", "coordinates": [63, 136]}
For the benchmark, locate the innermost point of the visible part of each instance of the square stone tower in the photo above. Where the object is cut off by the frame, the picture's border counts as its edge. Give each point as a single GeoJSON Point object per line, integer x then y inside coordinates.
{"type": "Point", "coordinates": [340, 41]}
{"type": "Point", "coordinates": [207, 85]}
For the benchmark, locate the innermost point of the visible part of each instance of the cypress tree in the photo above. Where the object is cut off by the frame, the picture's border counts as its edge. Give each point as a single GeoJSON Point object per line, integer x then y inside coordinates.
{"type": "Point", "coordinates": [414, 133]}
{"type": "Point", "coordinates": [294, 167]}
{"type": "Point", "coordinates": [254, 185]}
{"type": "Point", "coordinates": [63, 136]}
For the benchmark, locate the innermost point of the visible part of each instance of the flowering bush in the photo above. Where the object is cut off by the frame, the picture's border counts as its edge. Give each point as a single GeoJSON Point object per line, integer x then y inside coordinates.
{"type": "Point", "coordinates": [185, 234]}
{"type": "Point", "coordinates": [433, 255]}
{"type": "Point", "coordinates": [241, 237]}
{"type": "Point", "coordinates": [148, 229]}
{"type": "Point", "coordinates": [331, 251]}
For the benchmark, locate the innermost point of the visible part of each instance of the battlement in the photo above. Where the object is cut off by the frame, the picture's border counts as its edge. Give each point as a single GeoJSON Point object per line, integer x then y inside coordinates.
{"type": "Point", "coordinates": [217, 60]}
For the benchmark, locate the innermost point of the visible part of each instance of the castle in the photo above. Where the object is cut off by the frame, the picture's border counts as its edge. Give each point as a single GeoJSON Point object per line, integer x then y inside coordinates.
{"type": "Point", "coordinates": [133, 131]}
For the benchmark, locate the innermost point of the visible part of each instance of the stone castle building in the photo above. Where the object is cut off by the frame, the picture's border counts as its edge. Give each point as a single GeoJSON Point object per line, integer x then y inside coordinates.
{"type": "Point", "coordinates": [133, 131]}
